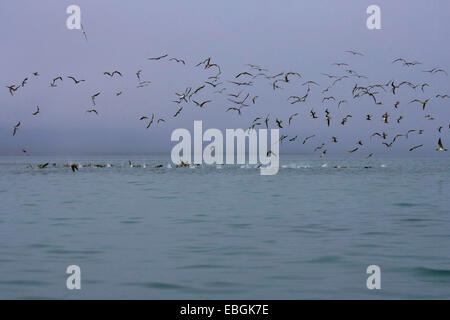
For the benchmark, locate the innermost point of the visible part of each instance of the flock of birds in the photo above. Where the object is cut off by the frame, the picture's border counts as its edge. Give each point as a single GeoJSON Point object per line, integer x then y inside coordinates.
{"type": "Point", "coordinates": [240, 99]}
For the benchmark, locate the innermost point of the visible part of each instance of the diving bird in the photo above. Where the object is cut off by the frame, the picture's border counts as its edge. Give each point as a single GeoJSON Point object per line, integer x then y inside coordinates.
{"type": "Point", "coordinates": [440, 146]}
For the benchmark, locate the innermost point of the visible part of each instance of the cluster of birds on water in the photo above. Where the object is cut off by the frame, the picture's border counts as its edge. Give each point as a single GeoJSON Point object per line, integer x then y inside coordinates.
{"type": "Point", "coordinates": [76, 166]}
{"type": "Point", "coordinates": [240, 99]}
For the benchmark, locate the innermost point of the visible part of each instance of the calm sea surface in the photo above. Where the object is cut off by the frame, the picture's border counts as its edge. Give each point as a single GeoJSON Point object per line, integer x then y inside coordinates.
{"type": "Point", "coordinates": [211, 232]}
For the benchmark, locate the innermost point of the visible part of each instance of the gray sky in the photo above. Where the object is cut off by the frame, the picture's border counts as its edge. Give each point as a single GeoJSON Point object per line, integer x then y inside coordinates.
{"type": "Point", "coordinates": [301, 36]}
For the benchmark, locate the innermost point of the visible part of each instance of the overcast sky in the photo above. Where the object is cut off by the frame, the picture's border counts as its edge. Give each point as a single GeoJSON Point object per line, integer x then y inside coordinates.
{"type": "Point", "coordinates": [303, 36]}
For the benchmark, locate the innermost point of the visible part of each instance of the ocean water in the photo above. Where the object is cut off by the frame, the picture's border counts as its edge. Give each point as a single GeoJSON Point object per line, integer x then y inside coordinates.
{"type": "Point", "coordinates": [225, 232]}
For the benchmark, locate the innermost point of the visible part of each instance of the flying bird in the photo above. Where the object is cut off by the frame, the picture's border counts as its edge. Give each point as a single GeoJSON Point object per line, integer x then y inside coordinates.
{"type": "Point", "coordinates": [16, 127]}
{"type": "Point", "coordinates": [415, 147]}
{"type": "Point", "coordinates": [94, 96]}
{"type": "Point", "coordinates": [177, 60]}
{"type": "Point", "coordinates": [75, 80]}
{"type": "Point", "coordinates": [292, 116]}
{"type": "Point", "coordinates": [12, 89]}
{"type": "Point", "coordinates": [111, 74]}
{"type": "Point", "coordinates": [355, 53]}
{"type": "Point", "coordinates": [37, 111]}
{"type": "Point", "coordinates": [424, 103]}
{"type": "Point", "coordinates": [234, 109]}
{"type": "Point", "coordinates": [151, 121]}
{"type": "Point", "coordinates": [201, 104]}
{"type": "Point", "coordinates": [159, 58]}
{"type": "Point", "coordinates": [307, 138]}
{"type": "Point", "coordinates": [178, 112]}
{"type": "Point", "coordinates": [84, 32]}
